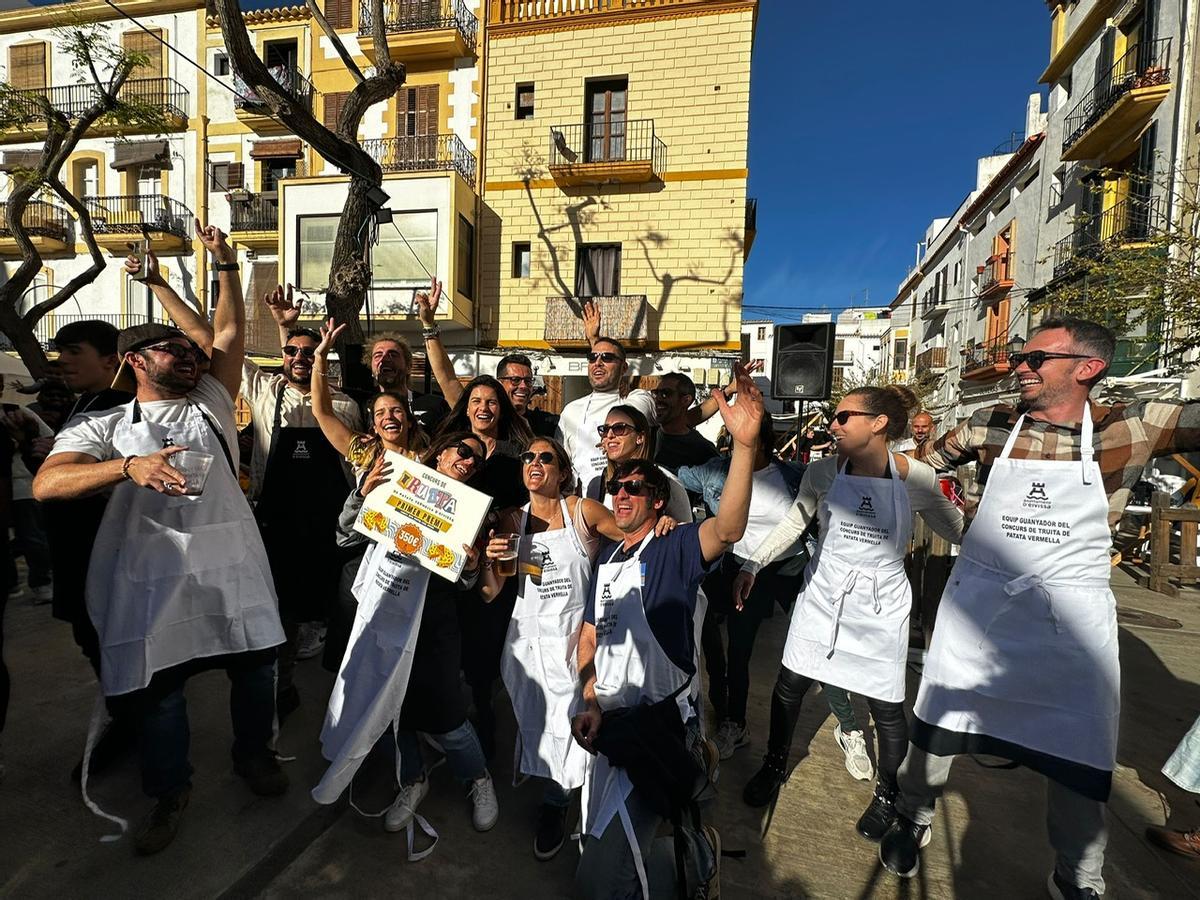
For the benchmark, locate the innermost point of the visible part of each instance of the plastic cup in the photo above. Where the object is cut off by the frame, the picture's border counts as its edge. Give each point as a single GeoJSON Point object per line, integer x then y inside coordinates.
{"type": "Point", "coordinates": [194, 467]}
{"type": "Point", "coordinates": [506, 562]}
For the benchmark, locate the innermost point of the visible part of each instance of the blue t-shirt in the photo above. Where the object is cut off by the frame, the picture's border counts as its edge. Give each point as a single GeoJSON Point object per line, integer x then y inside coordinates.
{"type": "Point", "coordinates": [672, 569]}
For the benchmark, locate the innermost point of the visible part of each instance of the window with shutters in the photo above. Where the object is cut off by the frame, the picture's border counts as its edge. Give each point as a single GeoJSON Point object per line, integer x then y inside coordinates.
{"type": "Point", "coordinates": [333, 108]}
{"type": "Point", "coordinates": [27, 66]}
{"type": "Point", "coordinates": [221, 63]}
{"type": "Point", "coordinates": [418, 116]}
{"type": "Point", "coordinates": [524, 104]}
{"type": "Point", "coordinates": [227, 176]}
{"type": "Point", "coordinates": [406, 252]}
{"type": "Point", "coordinates": [464, 259]}
{"type": "Point", "coordinates": [274, 171]}
{"type": "Point", "coordinates": [150, 47]}
{"type": "Point", "coordinates": [762, 332]}
{"type": "Point", "coordinates": [839, 350]}
{"type": "Point", "coordinates": [900, 354]}
{"type": "Point", "coordinates": [338, 13]}
{"type": "Point", "coordinates": [605, 122]}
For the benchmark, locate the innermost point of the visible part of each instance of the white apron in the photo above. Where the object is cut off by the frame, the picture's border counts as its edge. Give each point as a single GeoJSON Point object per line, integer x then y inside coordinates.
{"type": "Point", "coordinates": [373, 677]}
{"type": "Point", "coordinates": [589, 460]}
{"type": "Point", "coordinates": [631, 667]}
{"type": "Point", "coordinates": [850, 624]}
{"type": "Point", "coordinates": [175, 578]}
{"type": "Point", "coordinates": [538, 663]}
{"type": "Point", "coordinates": [1025, 648]}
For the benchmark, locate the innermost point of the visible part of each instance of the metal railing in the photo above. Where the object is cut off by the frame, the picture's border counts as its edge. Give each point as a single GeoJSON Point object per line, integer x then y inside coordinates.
{"type": "Point", "coordinates": [423, 153]}
{"type": "Point", "coordinates": [981, 356]}
{"type": "Point", "coordinates": [609, 140]}
{"type": "Point", "coordinates": [504, 12]}
{"type": "Point", "coordinates": [73, 100]}
{"type": "Point", "coordinates": [41, 218]}
{"type": "Point", "coordinates": [1143, 65]}
{"type": "Point", "coordinates": [291, 79]}
{"type": "Point", "coordinates": [997, 272]}
{"type": "Point", "coordinates": [1010, 145]}
{"type": "Point", "coordinates": [257, 213]}
{"type": "Point", "coordinates": [1132, 220]}
{"type": "Point", "coordinates": [49, 324]}
{"type": "Point", "coordinates": [422, 15]}
{"type": "Point", "coordinates": [134, 213]}
{"type": "Point", "coordinates": [930, 360]}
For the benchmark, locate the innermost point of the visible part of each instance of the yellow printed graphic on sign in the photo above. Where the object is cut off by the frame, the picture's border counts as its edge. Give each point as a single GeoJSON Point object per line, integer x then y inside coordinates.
{"type": "Point", "coordinates": [415, 512]}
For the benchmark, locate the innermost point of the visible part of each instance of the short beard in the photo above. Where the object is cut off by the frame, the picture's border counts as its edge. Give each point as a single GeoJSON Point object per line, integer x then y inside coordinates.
{"type": "Point", "coordinates": [304, 382]}
{"type": "Point", "coordinates": [167, 380]}
{"type": "Point", "coordinates": [614, 385]}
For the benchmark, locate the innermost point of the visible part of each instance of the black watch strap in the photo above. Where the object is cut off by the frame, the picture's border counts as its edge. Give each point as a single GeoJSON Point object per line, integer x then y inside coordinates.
{"type": "Point", "coordinates": [227, 267]}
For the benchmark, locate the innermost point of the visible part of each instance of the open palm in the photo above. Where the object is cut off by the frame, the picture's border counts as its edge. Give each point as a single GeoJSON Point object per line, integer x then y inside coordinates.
{"type": "Point", "coordinates": [743, 418]}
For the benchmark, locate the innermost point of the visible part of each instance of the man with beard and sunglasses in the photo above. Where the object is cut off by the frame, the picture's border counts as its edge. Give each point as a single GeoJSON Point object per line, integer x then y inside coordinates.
{"type": "Point", "coordinates": [1023, 663]}
{"type": "Point", "coordinates": [178, 581]}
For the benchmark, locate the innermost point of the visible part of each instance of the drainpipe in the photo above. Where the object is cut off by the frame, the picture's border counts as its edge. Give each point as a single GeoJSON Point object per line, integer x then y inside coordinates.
{"type": "Point", "coordinates": [1180, 130]}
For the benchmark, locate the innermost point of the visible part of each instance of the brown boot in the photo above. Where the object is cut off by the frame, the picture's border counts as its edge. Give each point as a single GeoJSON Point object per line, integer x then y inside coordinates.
{"type": "Point", "coordinates": [158, 829]}
{"type": "Point", "coordinates": [1185, 843]}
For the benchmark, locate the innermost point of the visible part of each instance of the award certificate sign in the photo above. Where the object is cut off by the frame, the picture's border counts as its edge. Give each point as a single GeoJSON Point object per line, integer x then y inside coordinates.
{"type": "Point", "coordinates": [424, 514]}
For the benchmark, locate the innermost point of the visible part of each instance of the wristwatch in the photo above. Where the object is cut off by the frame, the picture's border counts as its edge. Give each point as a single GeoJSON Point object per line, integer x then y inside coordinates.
{"type": "Point", "coordinates": [227, 267]}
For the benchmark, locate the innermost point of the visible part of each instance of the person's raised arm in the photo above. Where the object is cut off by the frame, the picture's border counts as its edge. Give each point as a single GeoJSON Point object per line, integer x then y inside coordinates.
{"type": "Point", "coordinates": [435, 352]}
{"type": "Point", "coordinates": [591, 321]}
{"type": "Point", "coordinates": [188, 320]}
{"type": "Point", "coordinates": [337, 432]}
{"type": "Point", "coordinates": [66, 476]}
{"type": "Point", "coordinates": [229, 320]}
{"type": "Point", "coordinates": [586, 725]}
{"type": "Point", "coordinates": [708, 407]}
{"type": "Point", "coordinates": [284, 310]}
{"type": "Point", "coordinates": [742, 421]}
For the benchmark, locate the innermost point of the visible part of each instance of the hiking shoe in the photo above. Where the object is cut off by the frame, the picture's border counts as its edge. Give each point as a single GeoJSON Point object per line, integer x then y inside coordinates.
{"type": "Point", "coordinates": [764, 785]}
{"type": "Point", "coordinates": [263, 774]}
{"type": "Point", "coordinates": [485, 806]}
{"type": "Point", "coordinates": [730, 736]}
{"type": "Point", "coordinates": [874, 823]}
{"type": "Point", "coordinates": [854, 745]}
{"type": "Point", "coordinates": [900, 849]}
{"type": "Point", "coordinates": [551, 831]}
{"type": "Point", "coordinates": [1061, 889]}
{"type": "Point", "coordinates": [161, 824]}
{"type": "Point", "coordinates": [402, 810]}
{"type": "Point", "coordinates": [310, 640]}
{"type": "Point", "coordinates": [1185, 843]}
{"type": "Point", "coordinates": [711, 889]}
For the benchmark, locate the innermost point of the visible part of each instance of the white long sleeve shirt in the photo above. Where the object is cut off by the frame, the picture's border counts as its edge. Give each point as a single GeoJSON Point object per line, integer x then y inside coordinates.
{"type": "Point", "coordinates": [579, 420]}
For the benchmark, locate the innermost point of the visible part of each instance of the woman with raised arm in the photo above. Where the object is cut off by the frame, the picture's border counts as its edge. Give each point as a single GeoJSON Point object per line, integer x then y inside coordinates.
{"type": "Point", "coordinates": [849, 627]}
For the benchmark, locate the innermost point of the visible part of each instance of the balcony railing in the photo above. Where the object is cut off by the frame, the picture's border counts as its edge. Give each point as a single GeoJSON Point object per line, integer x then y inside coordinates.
{"type": "Point", "coordinates": [931, 360]}
{"type": "Point", "coordinates": [607, 141]}
{"type": "Point", "coordinates": [997, 273]}
{"type": "Point", "coordinates": [422, 15]}
{"type": "Point", "coordinates": [423, 153]}
{"type": "Point", "coordinates": [289, 78]}
{"type": "Point", "coordinates": [1143, 65]}
{"type": "Point", "coordinates": [534, 12]}
{"type": "Point", "coordinates": [72, 100]}
{"type": "Point", "coordinates": [41, 219]}
{"type": "Point", "coordinates": [256, 213]}
{"type": "Point", "coordinates": [133, 213]}
{"type": "Point", "coordinates": [1131, 221]}
{"type": "Point", "coordinates": [982, 356]}
{"type": "Point", "coordinates": [49, 325]}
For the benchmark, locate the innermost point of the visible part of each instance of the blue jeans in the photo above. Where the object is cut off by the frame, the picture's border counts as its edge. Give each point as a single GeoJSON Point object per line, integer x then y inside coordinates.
{"type": "Point", "coordinates": [161, 711]}
{"type": "Point", "coordinates": [464, 756]}
{"type": "Point", "coordinates": [554, 794]}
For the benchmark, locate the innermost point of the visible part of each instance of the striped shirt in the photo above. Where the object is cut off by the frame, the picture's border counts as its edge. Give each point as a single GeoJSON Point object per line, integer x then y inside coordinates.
{"type": "Point", "coordinates": [1126, 436]}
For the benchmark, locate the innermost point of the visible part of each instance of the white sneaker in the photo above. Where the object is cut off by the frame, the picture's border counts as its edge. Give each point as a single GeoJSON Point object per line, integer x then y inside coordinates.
{"type": "Point", "coordinates": [486, 807]}
{"type": "Point", "coordinates": [310, 641]}
{"type": "Point", "coordinates": [854, 745]}
{"type": "Point", "coordinates": [401, 811]}
{"type": "Point", "coordinates": [730, 736]}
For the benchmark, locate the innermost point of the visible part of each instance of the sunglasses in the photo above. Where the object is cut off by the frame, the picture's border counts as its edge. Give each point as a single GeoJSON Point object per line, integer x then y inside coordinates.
{"type": "Point", "coordinates": [307, 352]}
{"type": "Point", "coordinates": [634, 488]}
{"type": "Point", "coordinates": [515, 380]}
{"type": "Point", "coordinates": [179, 351]}
{"type": "Point", "coordinates": [1035, 358]}
{"type": "Point", "coordinates": [663, 392]}
{"type": "Point", "coordinates": [620, 429]}
{"type": "Point", "coordinates": [605, 357]}
{"type": "Point", "coordinates": [466, 451]}
{"type": "Point", "coordinates": [545, 458]}
{"type": "Point", "coordinates": [847, 414]}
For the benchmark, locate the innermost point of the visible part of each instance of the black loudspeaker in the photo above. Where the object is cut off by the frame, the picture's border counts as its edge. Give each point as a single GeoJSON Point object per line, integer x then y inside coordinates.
{"type": "Point", "coordinates": [802, 365]}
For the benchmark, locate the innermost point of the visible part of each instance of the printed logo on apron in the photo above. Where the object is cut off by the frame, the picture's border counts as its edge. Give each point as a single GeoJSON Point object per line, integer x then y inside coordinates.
{"type": "Point", "coordinates": [300, 450]}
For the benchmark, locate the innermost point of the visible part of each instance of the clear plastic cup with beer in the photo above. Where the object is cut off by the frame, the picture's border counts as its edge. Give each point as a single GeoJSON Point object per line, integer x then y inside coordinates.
{"type": "Point", "coordinates": [506, 562]}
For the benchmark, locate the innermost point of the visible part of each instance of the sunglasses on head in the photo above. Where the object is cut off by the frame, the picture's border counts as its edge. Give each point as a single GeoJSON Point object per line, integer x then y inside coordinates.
{"type": "Point", "coordinates": [847, 414]}
{"type": "Point", "coordinates": [620, 429]}
{"type": "Point", "coordinates": [634, 488]}
{"type": "Point", "coordinates": [307, 352]}
{"type": "Point", "coordinates": [515, 380]}
{"type": "Point", "coordinates": [1035, 358]}
{"type": "Point", "coordinates": [179, 351]}
{"type": "Point", "coordinates": [545, 457]}
{"type": "Point", "coordinates": [466, 451]}
{"type": "Point", "coordinates": [605, 357]}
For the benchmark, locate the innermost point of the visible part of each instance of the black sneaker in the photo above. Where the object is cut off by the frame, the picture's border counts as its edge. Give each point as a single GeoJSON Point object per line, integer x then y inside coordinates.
{"type": "Point", "coordinates": [264, 774]}
{"type": "Point", "coordinates": [900, 849]}
{"type": "Point", "coordinates": [874, 823]}
{"type": "Point", "coordinates": [551, 831]}
{"type": "Point", "coordinates": [1060, 889]}
{"type": "Point", "coordinates": [764, 785]}
{"type": "Point", "coordinates": [286, 702]}
{"type": "Point", "coordinates": [158, 829]}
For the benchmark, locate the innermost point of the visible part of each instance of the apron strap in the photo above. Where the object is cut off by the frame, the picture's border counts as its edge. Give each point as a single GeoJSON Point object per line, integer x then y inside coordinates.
{"type": "Point", "coordinates": [137, 417]}
{"type": "Point", "coordinates": [1087, 452]}
{"type": "Point", "coordinates": [276, 420]}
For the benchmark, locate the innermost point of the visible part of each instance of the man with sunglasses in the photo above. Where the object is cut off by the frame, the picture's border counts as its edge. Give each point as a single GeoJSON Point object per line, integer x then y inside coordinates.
{"type": "Point", "coordinates": [679, 443]}
{"type": "Point", "coordinates": [178, 581]}
{"type": "Point", "coordinates": [1023, 663]}
{"type": "Point", "coordinates": [637, 645]}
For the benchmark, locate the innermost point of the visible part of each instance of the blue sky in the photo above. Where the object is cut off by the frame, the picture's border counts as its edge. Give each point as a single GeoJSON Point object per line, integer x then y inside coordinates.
{"type": "Point", "coordinates": [866, 121]}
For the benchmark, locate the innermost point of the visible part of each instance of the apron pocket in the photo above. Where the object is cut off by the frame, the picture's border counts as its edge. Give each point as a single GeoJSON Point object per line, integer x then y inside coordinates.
{"type": "Point", "coordinates": [167, 553]}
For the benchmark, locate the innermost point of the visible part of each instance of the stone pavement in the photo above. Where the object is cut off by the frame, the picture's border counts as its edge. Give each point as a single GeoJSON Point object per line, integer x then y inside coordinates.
{"type": "Point", "coordinates": [989, 839]}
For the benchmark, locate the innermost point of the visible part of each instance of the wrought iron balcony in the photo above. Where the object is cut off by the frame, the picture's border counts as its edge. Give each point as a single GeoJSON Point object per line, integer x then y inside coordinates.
{"type": "Point", "coordinates": [527, 13]}
{"type": "Point", "coordinates": [164, 94]}
{"type": "Point", "coordinates": [1145, 65]}
{"type": "Point", "coordinates": [41, 219]}
{"type": "Point", "coordinates": [428, 28]}
{"type": "Point", "coordinates": [134, 213]}
{"type": "Point", "coordinates": [423, 153]}
{"type": "Point", "coordinates": [985, 361]}
{"type": "Point", "coordinates": [49, 325]}
{"type": "Point", "coordinates": [293, 82]}
{"type": "Point", "coordinates": [626, 150]}
{"type": "Point", "coordinates": [1132, 221]}
{"type": "Point", "coordinates": [254, 213]}
{"type": "Point", "coordinates": [931, 360]}
{"type": "Point", "coordinates": [997, 275]}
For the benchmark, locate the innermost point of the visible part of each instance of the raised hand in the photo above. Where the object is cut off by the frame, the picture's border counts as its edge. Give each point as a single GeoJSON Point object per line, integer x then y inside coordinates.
{"type": "Point", "coordinates": [280, 305]}
{"type": "Point", "coordinates": [742, 419]}
{"type": "Point", "coordinates": [427, 303]}
{"type": "Point", "coordinates": [213, 239]}
{"type": "Point", "coordinates": [380, 473]}
{"type": "Point", "coordinates": [133, 266]}
{"type": "Point", "coordinates": [329, 336]}
{"type": "Point", "coordinates": [591, 321]}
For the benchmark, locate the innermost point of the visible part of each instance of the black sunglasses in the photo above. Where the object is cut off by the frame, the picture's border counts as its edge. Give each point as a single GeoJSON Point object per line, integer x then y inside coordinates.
{"type": "Point", "coordinates": [605, 357]}
{"type": "Point", "coordinates": [306, 352]}
{"type": "Point", "coordinates": [847, 414]}
{"type": "Point", "coordinates": [1035, 358]}
{"type": "Point", "coordinates": [514, 380]}
{"type": "Point", "coordinates": [179, 351]}
{"type": "Point", "coordinates": [620, 429]}
{"type": "Point", "coordinates": [545, 458]}
{"type": "Point", "coordinates": [466, 451]}
{"type": "Point", "coordinates": [634, 488]}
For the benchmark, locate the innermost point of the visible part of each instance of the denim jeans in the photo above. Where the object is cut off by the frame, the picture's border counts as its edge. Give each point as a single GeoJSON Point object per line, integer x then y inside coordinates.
{"type": "Point", "coordinates": [464, 756]}
{"type": "Point", "coordinates": [554, 794]}
{"type": "Point", "coordinates": [160, 709]}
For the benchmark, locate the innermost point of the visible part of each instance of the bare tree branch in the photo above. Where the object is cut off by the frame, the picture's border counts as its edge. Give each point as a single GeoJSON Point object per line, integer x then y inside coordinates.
{"type": "Point", "coordinates": [336, 40]}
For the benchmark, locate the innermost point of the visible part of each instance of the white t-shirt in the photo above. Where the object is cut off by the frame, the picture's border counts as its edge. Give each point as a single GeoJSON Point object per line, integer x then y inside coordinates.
{"type": "Point", "coordinates": [769, 502]}
{"type": "Point", "coordinates": [93, 434]}
{"type": "Point", "coordinates": [579, 420]}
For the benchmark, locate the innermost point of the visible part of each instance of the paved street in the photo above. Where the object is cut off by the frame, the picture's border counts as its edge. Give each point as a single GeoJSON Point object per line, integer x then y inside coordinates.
{"type": "Point", "coordinates": [989, 840]}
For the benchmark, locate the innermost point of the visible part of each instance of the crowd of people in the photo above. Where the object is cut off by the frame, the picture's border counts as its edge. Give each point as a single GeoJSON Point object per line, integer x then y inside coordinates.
{"type": "Point", "coordinates": [647, 560]}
